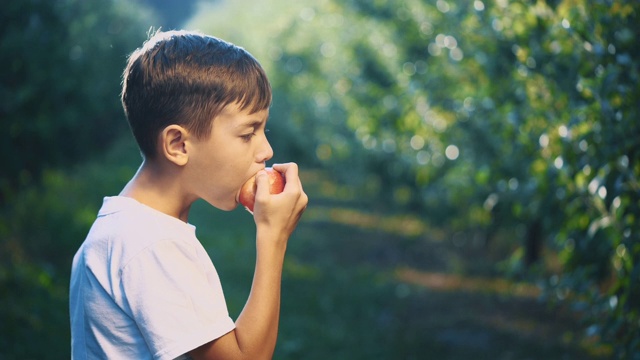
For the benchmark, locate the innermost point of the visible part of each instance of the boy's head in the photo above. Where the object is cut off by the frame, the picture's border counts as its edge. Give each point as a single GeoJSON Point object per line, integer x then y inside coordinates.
{"type": "Point", "coordinates": [187, 78]}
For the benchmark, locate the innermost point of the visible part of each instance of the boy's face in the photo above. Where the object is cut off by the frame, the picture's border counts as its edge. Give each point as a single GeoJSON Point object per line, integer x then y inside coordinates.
{"type": "Point", "coordinates": [236, 150]}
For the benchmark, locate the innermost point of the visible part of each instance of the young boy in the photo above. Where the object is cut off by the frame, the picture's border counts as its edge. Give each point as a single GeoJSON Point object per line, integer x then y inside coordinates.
{"type": "Point", "coordinates": [142, 285]}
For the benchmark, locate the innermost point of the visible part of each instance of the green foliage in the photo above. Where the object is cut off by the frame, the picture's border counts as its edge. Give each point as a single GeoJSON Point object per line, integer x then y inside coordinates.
{"type": "Point", "coordinates": [39, 235]}
{"type": "Point", "coordinates": [62, 62]}
{"type": "Point", "coordinates": [513, 121]}
{"type": "Point", "coordinates": [34, 310]}
{"type": "Point", "coordinates": [601, 156]}
{"type": "Point", "coordinates": [518, 119]}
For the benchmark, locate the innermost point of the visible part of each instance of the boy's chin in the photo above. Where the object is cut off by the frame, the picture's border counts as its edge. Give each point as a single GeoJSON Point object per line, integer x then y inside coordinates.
{"type": "Point", "coordinates": [226, 206]}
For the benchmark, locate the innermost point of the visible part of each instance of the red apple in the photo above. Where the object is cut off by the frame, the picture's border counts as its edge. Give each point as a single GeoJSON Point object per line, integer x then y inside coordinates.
{"type": "Point", "coordinates": [247, 195]}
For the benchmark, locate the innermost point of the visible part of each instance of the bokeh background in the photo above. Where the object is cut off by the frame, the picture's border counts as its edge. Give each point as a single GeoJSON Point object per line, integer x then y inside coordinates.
{"type": "Point", "coordinates": [473, 169]}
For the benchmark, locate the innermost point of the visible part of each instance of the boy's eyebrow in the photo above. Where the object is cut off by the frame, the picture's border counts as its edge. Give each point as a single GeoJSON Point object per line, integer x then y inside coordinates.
{"type": "Point", "coordinates": [253, 124]}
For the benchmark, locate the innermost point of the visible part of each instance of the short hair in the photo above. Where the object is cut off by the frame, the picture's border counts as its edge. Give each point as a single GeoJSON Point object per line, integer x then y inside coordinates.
{"type": "Point", "coordinates": [187, 78]}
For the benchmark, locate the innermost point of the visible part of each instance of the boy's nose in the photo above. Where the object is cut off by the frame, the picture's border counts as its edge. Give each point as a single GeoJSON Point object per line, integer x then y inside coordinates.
{"type": "Point", "coordinates": [265, 153]}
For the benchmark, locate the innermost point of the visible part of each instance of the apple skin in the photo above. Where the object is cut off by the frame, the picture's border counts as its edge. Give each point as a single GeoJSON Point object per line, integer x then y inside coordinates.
{"type": "Point", "coordinates": [247, 195]}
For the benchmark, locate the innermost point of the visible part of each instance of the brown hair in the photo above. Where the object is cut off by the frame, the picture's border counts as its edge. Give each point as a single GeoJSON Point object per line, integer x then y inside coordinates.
{"type": "Point", "coordinates": [187, 78]}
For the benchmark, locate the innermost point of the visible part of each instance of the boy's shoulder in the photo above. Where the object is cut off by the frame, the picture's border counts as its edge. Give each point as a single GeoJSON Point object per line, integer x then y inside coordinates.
{"type": "Point", "coordinates": [126, 227]}
{"type": "Point", "coordinates": [134, 216]}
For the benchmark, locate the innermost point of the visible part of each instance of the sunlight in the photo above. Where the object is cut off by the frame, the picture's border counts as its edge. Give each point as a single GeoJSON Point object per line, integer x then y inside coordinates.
{"type": "Point", "coordinates": [452, 282]}
{"type": "Point", "coordinates": [404, 225]}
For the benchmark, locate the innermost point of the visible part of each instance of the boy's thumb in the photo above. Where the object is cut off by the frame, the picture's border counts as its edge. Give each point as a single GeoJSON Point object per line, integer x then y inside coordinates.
{"type": "Point", "coordinates": [262, 185]}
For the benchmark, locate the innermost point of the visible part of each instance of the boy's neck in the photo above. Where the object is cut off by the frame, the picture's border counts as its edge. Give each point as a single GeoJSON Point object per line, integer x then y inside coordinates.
{"type": "Point", "coordinates": [156, 185]}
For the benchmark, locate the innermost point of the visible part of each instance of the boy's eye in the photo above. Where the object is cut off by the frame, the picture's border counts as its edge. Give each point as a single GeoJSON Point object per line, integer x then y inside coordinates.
{"type": "Point", "coordinates": [247, 137]}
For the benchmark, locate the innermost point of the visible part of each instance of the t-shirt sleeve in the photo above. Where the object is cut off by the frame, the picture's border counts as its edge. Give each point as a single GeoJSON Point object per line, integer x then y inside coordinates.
{"type": "Point", "coordinates": [175, 298]}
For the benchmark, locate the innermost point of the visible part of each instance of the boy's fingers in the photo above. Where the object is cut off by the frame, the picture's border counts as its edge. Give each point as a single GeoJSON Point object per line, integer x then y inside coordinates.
{"type": "Point", "coordinates": [287, 168]}
{"type": "Point", "coordinates": [293, 184]}
{"type": "Point", "coordinates": [290, 172]}
{"type": "Point", "coordinates": [262, 184]}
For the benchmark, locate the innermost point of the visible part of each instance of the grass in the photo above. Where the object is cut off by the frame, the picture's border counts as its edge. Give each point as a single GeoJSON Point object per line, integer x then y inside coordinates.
{"type": "Point", "coordinates": [364, 284]}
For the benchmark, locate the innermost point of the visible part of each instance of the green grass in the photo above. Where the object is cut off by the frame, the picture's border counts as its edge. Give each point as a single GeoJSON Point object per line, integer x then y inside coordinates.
{"type": "Point", "coordinates": [360, 284]}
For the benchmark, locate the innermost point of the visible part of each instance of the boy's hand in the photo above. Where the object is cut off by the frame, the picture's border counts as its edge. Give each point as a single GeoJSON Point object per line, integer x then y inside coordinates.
{"type": "Point", "coordinates": [276, 217]}
{"type": "Point", "coordinates": [279, 213]}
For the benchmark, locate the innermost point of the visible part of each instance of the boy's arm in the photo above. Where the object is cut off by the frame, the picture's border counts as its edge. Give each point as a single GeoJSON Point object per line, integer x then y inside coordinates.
{"type": "Point", "coordinates": [276, 217]}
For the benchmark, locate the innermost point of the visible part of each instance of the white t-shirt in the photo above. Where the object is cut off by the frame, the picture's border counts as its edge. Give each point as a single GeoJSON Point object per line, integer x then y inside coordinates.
{"type": "Point", "coordinates": [143, 287]}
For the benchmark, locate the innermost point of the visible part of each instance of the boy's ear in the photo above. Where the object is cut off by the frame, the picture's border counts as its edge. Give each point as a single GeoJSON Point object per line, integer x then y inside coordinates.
{"type": "Point", "coordinates": [173, 144]}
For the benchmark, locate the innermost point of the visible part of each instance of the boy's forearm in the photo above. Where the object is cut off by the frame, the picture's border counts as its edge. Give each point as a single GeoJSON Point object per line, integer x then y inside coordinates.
{"type": "Point", "coordinates": [256, 329]}
{"type": "Point", "coordinates": [257, 325]}
{"type": "Point", "coordinates": [276, 216]}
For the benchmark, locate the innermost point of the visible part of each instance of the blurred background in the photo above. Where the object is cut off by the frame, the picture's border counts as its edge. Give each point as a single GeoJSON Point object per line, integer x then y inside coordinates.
{"type": "Point", "coordinates": [473, 169]}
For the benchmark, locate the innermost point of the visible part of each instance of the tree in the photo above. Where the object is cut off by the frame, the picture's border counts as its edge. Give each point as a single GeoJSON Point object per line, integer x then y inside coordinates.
{"type": "Point", "coordinates": [518, 117]}
{"type": "Point", "coordinates": [61, 64]}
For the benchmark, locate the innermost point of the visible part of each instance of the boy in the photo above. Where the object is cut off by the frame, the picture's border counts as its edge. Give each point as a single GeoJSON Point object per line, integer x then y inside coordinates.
{"type": "Point", "coordinates": [142, 285]}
